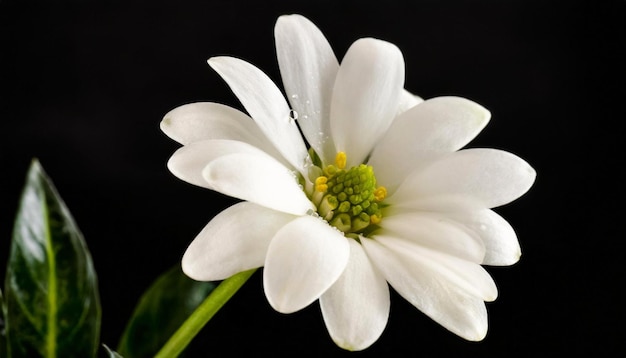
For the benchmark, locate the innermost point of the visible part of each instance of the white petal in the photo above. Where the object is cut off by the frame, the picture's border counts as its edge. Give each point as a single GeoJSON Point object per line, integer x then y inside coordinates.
{"type": "Point", "coordinates": [188, 162]}
{"type": "Point", "coordinates": [356, 307]}
{"type": "Point", "coordinates": [205, 120]}
{"type": "Point", "coordinates": [484, 178]}
{"type": "Point", "coordinates": [467, 275]}
{"type": "Point", "coordinates": [258, 178]}
{"type": "Point", "coordinates": [265, 104]}
{"type": "Point", "coordinates": [235, 240]}
{"type": "Point", "coordinates": [407, 101]}
{"type": "Point", "coordinates": [502, 246]}
{"type": "Point", "coordinates": [194, 122]}
{"type": "Point", "coordinates": [437, 126]}
{"type": "Point", "coordinates": [435, 232]}
{"type": "Point", "coordinates": [365, 97]}
{"type": "Point", "coordinates": [434, 294]}
{"type": "Point", "coordinates": [308, 68]}
{"type": "Point", "coordinates": [304, 259]}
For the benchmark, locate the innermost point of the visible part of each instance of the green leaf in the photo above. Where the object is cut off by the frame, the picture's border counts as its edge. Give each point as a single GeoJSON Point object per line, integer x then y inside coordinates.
{"type": "Point", "coordinates": [3, 338]}
{"type": "Point", "coordinates": [110, 353]}
{"type": "Point", "coordinates": [52, 302]}
{"type": "Point", "coordinates": [160, 311]}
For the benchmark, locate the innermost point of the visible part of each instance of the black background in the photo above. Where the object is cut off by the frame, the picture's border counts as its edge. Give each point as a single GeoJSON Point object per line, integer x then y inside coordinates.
{"type": "Point", "coordinates": [84, 86]}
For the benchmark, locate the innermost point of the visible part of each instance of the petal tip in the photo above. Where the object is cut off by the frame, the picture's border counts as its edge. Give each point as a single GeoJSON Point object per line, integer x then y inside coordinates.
{"type": "Point", "coordinates": [507, 260]}
{"type": "Point", "coordinates": [353, 346]}
{"type": "Point", "coordinates": [477, 336]}
{"type": "Point", "coordinates": [376, 45]}
{"type": "Point", "coordinates": [348, 347]}
{"type": "Point", "coordinates": [479, 113]}
{"type": "Point", "coordinates": [281, 302]}
{"type": "Point", "coordinates": [165, 125]}
{"type": "Point", "coordinates": [282, 18]}
{"type": "Point", "coordinates": [476, 333]}
{"type": "Point", "coordinates": [491, 296]}
{"type": "Point", "coordinates": [281, 307]}
{"type": "Point", "coordinates": [517, 256]}
{"type": "Point", "coordinates": [216, 61]}
{"type": "Point", "coordinates": [189, 268]}
{"type": "Point", "coordinates": [532, 173]}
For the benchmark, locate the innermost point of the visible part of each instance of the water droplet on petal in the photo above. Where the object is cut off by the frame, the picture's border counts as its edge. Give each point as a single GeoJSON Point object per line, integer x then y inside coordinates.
{"type": "Point", "coordinates": [294, 96]}
{"type": "Point", "coordinates": [305, 117]}
{"type": "Point", "coordinates": [307, 162]}
{"type": "Point", "coordinates": [293, 116]}
{"type": "Point", "coordinates": [313, 213]}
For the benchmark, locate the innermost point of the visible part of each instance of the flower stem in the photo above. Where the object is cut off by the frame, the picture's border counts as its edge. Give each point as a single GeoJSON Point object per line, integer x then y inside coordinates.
{"type": "Point", "coordinates": [205, 311]}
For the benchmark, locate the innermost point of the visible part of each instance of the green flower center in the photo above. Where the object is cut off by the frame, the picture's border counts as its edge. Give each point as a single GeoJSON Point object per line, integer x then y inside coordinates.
{"type": "Point", "coordinates": [349, 198]}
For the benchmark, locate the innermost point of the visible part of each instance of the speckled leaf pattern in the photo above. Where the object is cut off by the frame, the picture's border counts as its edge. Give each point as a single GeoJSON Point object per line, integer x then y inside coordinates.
{"type": "Point", "coordinates": [51, 291]}
{"type": "Point", "coordinates": [160, 311]}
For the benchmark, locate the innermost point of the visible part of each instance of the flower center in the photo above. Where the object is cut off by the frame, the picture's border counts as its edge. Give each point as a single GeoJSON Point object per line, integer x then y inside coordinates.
{"type": "Point", "coordinates": [349, 198]}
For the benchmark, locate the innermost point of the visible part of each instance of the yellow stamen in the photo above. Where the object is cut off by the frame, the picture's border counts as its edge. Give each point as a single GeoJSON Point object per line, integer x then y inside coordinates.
{"type": "Point", "coordinates": [340, 160]}
{"type": "Point", "coordinates": [320, 184]}
{"type": "Point", "coordinates": [380, 193]}
{"type": "Point", "coordinates": [347, 199]}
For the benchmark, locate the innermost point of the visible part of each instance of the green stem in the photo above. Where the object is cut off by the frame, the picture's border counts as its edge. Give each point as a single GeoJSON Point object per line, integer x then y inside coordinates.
{"type": "Point", "coordinates": [207, 309]}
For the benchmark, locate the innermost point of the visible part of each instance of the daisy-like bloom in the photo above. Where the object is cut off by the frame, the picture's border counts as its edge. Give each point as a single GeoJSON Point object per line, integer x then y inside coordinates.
{"type": "Point", "coordinates": [382, 196]}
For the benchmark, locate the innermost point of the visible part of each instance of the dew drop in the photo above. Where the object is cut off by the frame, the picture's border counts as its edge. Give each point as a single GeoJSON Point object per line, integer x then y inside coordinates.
{"type": "Point", "coordinates": [307, 162]}
{"type": "Point", "coordinates": [307, 102]}
{"type": "Point", "coordinates": [313, 213]}
{"type": "Point", "coordinates": [294, 96]}
{"type": "Point", "coordinates": [293, 116]}
{"type": "Point", "coordinates": [305, 116]}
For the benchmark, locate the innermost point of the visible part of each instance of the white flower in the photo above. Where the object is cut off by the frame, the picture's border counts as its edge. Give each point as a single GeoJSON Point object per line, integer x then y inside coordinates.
{"type": "Point", "coordinates": [421, 221]}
